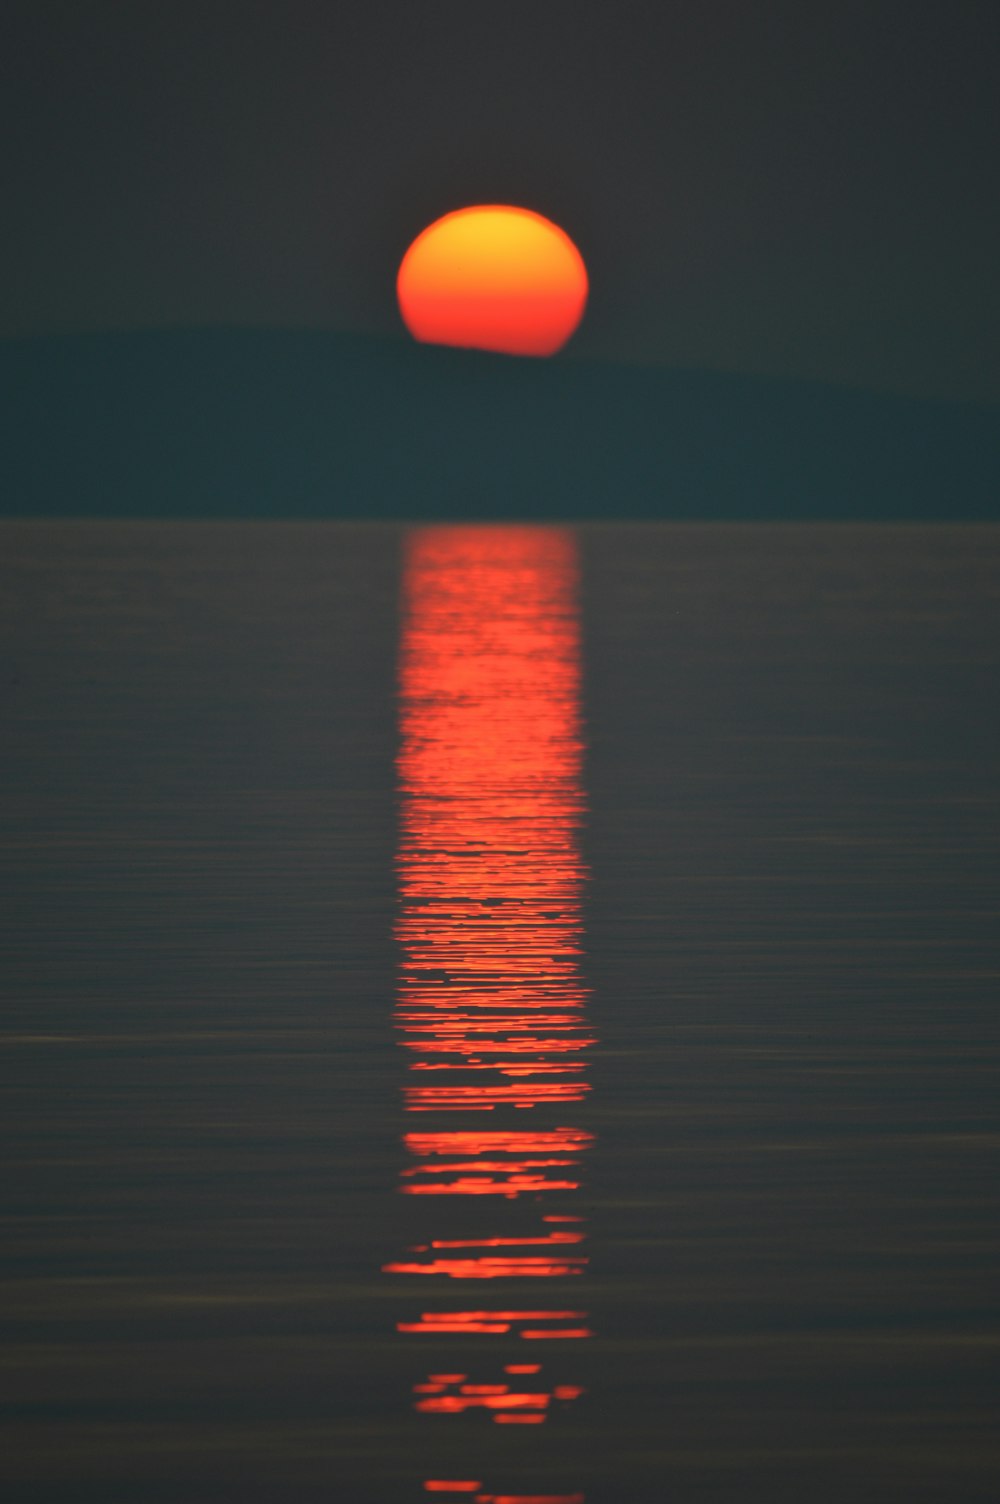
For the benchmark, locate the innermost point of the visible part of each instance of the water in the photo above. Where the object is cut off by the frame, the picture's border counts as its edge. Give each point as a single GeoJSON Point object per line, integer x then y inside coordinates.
{"type": "Point", "coordinates": [627, 893]}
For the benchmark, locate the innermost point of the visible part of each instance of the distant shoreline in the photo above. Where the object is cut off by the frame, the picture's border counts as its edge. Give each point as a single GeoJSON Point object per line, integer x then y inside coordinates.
{"type": "Point", "coordinates": [230, 423]}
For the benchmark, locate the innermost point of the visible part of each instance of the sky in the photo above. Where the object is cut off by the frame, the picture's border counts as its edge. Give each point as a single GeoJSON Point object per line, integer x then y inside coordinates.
{"type": "Point", "coordinates": [770, 186]}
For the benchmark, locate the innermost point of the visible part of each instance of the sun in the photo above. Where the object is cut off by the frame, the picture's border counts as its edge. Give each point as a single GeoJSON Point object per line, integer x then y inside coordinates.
{"type": "Point", "coordinates": [493, 277]}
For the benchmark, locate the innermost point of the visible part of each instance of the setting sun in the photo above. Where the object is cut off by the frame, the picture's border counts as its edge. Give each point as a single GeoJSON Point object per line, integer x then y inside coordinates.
{"type": "Point", "coordinates": [493, 277]}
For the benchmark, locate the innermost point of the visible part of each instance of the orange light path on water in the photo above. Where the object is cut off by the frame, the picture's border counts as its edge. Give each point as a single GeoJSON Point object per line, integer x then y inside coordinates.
{"type": "Point", "coordinates": [462, 1486]}
{"type": "Point", "coordinates": [491, 1000]}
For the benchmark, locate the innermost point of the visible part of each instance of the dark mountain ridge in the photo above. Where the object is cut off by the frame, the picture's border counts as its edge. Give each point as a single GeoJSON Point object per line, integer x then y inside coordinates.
{"type": "Point", "coordinates": [262, 423]}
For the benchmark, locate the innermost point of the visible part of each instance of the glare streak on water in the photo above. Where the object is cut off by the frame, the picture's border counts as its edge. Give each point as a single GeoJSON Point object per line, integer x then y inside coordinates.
{"type": "Point", "coordinates": [490, 1007]}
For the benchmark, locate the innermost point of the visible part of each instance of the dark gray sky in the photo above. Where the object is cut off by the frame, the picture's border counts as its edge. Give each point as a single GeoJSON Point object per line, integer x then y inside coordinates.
{"type": "Point", "coordinates": [790, 186]}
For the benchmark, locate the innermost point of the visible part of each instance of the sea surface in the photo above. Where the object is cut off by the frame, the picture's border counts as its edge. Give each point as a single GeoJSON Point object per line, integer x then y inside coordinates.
{"type": "Point", "coordinates": [504, 1014]}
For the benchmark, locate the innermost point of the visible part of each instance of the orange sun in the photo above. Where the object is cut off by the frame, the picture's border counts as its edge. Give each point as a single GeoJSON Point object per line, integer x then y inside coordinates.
{"type": "Point", "coordinates": [493, 277]}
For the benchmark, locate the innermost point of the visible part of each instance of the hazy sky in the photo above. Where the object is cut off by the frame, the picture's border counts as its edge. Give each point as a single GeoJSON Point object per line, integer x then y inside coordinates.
{"type": "Point", "coordinates": [793, 186]}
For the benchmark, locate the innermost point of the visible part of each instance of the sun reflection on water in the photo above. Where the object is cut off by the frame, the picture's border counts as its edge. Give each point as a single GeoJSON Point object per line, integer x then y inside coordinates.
{"type": "Point", "coordinates": [490, 1007]}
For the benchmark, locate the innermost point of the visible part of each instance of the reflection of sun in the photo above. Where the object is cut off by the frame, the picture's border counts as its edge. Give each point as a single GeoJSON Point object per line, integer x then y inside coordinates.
{"type": "Point", "coordinates": [493, 277]}
{"type": "Point", "coordinates": [491, 1002]}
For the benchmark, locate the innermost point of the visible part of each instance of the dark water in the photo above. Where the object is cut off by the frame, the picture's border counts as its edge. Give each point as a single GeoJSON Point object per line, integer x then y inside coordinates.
{"type": "Point", "coordinates": [643, 878]}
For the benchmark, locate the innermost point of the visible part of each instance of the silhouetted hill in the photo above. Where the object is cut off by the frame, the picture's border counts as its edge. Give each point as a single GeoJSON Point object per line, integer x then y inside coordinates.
{"type": "Point", "coordinates": [233, 423]}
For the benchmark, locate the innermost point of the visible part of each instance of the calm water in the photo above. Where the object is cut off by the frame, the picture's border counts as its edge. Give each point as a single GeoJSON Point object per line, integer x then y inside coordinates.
{"type": "Point", "coordinates": [500, 1014]}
